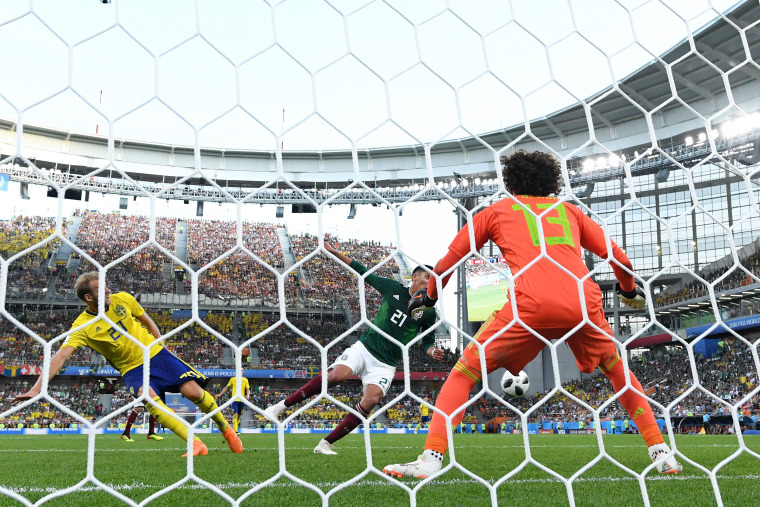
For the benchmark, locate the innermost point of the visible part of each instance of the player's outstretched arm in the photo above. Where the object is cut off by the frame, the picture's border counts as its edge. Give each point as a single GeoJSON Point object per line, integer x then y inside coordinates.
{"type": "Point", "coordinates": [592, 239]}
{"type": "Point", "coordinates": [56, 363]}
{"type": "Point", "coordinates": [343, 258]}
{"type": "Point", "coordinates": [635, 298]}
{"type": "Point", "coordinates": [460, 247]}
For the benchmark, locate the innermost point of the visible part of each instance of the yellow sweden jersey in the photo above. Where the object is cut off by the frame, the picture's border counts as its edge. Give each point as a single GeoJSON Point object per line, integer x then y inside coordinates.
{"type": "Point", "coordinates": [120, 351]}
{"type": "Point", "coordinates": [424, 410]}
{"type": "Point", "coordinates": [233, 384]}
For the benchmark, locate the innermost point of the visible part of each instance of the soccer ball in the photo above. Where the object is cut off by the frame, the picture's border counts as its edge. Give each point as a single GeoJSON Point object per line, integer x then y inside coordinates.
{"type": "Point", "coordinates": [515, 386]}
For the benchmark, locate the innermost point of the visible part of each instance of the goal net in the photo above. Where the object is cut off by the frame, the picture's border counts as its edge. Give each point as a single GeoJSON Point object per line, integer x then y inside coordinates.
{"type": "Point", "coordinates": [401, 112]}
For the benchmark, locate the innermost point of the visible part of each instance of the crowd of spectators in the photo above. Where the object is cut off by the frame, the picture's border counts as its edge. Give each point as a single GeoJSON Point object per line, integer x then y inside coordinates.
{"type": "Point", "coordinates": [18, 348]}
{"type": "Point", "coordinates": [329, 284]}
{"type": "Point", "coordinates": [195, 344]}
{"type": "Point", "coordinates": [237, 275]}
{"type": "Point", "coordinates": [696, 289]}
{"type": "Point", "coordinates": [405, 413]}
{"type": "Point", "coordinates": [486, 268]}
{"type": "Point", "coordinates": [282, 347]}
{"type": "Point", "coordinates": [81, 397]}
{"type": "Point", "coordinates": [106, 237]}
{"type": "Point", "coordinates": [28, 275]}
{"type": "Point", "coordinates": [279, 348]}
{"type": "Point", "coordinates": [730, 375]}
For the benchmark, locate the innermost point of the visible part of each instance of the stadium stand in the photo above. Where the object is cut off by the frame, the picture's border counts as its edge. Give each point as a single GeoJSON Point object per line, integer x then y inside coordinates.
{"type": "Point", "coordinates": [695, 289]}
{"type": "Point", "coordinates": [729, 374]}
{"type": "Point", "coordinates": [28, 275]}
{"type": "Point", "coordinates": [107, 236]}
{"type": "Point", "coordinates": [238, 275]}
{"type": "Point", "coordinates": [329, 285]}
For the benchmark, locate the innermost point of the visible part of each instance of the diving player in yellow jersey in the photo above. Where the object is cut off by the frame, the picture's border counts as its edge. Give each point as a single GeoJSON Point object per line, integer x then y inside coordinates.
{"type": "Point", "coordinates": [167, 373]}
{"type": "Point", "coordinates": [237, 405]}
{"type": "Point", "coordinates": [424, 416]}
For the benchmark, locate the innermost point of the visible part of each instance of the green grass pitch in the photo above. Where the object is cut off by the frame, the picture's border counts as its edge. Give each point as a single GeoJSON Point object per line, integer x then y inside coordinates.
{"type": "Point", "coordinates": [34, 465]}
{"type": "Point", "coordinates": [485, 300]}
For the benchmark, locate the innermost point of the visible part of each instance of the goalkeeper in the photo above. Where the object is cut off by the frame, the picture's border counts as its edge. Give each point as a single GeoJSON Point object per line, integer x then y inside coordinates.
{"type": "Point", "coordinates": [168, 373]}
{"type": "Point", "coordinates": [547, 299]}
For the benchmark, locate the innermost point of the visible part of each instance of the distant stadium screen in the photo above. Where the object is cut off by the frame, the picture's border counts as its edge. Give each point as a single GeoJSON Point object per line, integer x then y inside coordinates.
{"type": "Point", "coordinates": [487, 287]}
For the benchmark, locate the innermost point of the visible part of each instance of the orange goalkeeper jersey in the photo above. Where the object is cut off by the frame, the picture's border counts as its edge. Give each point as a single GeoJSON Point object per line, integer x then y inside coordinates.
{"type": "Point", "coordinates": [545, 293]}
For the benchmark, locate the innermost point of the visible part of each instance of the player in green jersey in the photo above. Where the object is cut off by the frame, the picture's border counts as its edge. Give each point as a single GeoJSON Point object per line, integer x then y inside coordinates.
{"type": "Point", "coordinates": [374, 357]}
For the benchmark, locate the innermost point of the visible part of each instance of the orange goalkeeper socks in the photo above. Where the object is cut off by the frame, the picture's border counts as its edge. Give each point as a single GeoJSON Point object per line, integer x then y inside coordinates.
{"type": "Point", "coordinates": [454, 393]}
{"type": "Point", "coordinates": [636, 405]}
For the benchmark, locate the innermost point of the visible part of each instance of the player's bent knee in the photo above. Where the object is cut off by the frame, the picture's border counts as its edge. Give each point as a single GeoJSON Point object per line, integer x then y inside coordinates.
{"type": "Point", "coordinates": [192, 391]}
{"type": "Point", "coordinates": [338, 374]}
{"type": "Point", "coordinates": [372, 396]}
{"type": "Point", "coordinates": [151, 393]}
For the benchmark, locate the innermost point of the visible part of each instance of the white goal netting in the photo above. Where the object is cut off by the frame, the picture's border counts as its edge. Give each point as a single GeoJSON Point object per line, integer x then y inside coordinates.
{"type": "Point", "coordinates": [301, 81]}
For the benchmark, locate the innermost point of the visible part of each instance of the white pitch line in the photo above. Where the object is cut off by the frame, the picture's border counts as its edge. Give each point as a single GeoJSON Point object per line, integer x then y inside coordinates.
{"type": "Point", "coordinates": [461, 448]}
{"type": "Point", "coordinates": [381, 483]}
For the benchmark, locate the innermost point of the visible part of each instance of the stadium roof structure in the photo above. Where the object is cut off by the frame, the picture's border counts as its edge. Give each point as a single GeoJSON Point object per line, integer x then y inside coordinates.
{"type": "Point", "coordinates": [700, 71]}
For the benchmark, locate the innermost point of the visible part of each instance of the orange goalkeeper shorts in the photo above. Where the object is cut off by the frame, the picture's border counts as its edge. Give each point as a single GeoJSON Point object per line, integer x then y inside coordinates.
{"type": "Point", "coordinates": [516, 347]}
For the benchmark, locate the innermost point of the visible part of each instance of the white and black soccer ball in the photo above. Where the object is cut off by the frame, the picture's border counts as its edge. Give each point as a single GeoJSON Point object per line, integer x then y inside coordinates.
{"type": "Point", "coordinates": [515, 386]}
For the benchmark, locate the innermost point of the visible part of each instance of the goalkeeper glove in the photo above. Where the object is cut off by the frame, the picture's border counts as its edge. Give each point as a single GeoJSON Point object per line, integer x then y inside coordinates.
{"type": "Point", "coordinates": [419, 303]}
{"type": "Point", "coordinates": [635, 299]}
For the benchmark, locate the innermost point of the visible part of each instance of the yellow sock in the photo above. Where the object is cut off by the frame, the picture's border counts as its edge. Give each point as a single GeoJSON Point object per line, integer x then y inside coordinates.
{"type": "Point", "coordinates": [166, 420]}
{"type": "Point", "coordinates": [208, 404]}
{"type": "Point", "coordinates": [235, 422]}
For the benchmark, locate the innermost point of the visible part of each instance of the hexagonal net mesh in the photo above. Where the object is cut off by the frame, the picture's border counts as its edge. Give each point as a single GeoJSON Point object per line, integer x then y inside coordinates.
{"type": "Point", "coordinates": [470, 69]}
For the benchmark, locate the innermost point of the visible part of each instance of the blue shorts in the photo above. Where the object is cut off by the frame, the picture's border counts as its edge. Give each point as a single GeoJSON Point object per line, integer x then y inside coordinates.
{"type": "Point", "coordinates": [424, 418]}
{"type": "Point", "coordinates": [237, 407]}
{"type": "Point", "coordinates": [167, 374]}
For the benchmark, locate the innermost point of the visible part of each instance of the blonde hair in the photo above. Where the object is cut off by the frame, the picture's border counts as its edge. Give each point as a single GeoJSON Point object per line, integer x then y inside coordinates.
{"type": "Point", "coordinates": [82, 286]}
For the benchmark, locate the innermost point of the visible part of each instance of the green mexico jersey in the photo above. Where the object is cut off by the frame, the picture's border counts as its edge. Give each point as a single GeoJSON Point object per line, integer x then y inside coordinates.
{"type": "Point", "coordinates": [393, 319]}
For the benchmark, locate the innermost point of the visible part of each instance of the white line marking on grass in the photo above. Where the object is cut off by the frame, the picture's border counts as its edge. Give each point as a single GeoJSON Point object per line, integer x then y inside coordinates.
{"type": "Point", "coordinates": [379, 448]}
{"type": "Point", "coordinates": [376, 483]}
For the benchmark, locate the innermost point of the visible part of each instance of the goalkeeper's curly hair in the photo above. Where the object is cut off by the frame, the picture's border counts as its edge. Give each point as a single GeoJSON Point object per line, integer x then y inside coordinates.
{"type": "Point", "coordinates": [533, 173]}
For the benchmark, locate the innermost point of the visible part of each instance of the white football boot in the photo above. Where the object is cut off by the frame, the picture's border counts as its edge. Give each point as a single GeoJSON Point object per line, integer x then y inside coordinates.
{"type": "Point", "coordinates": [324, 447]}
{"type": "Point", "coordinates": [665, 461]}
{"type": "Point", "coordinates": [426, 465]}
{"type": "Point", "coordinates": [276, 410]}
